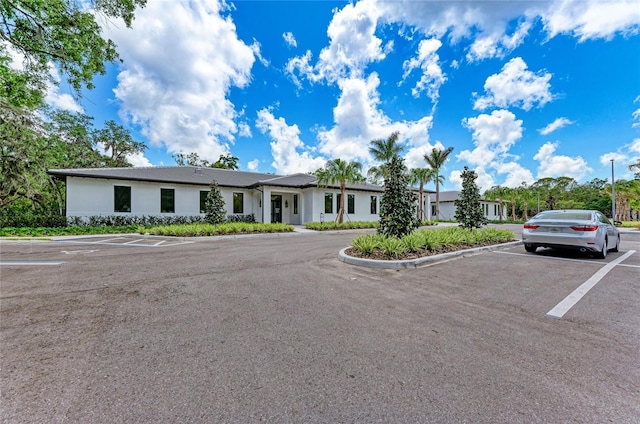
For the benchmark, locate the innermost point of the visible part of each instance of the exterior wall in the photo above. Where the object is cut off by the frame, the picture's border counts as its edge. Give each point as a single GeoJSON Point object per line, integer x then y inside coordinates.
{"type": "Point", "coordinates": [448, 209]}
{"type": "Point", "coordinates": [94, 197]}
{"type": "Point", "coordinates": [362, 205]}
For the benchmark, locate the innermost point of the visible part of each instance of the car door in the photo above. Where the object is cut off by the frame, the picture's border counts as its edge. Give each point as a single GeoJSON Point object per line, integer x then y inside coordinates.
{"type": "Point", "coordinates": [611, 230]}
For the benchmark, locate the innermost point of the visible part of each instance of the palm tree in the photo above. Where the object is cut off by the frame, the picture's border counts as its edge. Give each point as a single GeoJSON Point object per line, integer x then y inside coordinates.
{"type": "Point", "coordinates": [383, 151]}
{"type": "Point", "coordinates": [337, 171]}
{"type": "Point", "coordinates": [421, 176]}
{"type": "Point", "coordinates": [435, 160]}
{"type": "Point", "coordinates": [496, 193]}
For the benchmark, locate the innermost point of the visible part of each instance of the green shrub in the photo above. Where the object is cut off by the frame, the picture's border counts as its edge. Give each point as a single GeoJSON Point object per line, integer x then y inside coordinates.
{"type": "Point", "coordinates": [367, 243]}
{"type": "Point", "coordinates": [392, 246]}
{"type": "Point", "coordinates": [332, 225]}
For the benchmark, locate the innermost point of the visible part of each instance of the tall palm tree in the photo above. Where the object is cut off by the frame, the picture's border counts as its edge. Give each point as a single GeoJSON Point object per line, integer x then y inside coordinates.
{"type": "Point", "coordinates": [383, 150]}
{"type": "Point", "coordinates": [421, 176]}
{"type": "Point", "coordinates": [496, 193]}
{"type": "Point", "coordinates": [435, 160]}
{"type": "Point", "coordinates": [337, 171]}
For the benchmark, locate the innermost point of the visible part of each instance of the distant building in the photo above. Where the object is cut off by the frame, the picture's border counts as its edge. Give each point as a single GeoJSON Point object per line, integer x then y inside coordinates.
{"type": "Point", "coordinates": [448, 208]}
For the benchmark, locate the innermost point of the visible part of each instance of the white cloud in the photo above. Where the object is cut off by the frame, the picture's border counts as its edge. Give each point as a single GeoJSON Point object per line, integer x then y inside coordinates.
{"type": "Point", "coordinates": [244, 129]}
{"type": "Point", "coordinates": [253, 165]}
{"type": "Point", "coordinates": [285, 145]}
{"type": "Point", "coordinates": [636, 115]}
{"type": "Point", "coordinates": [591, 19]}
{"type": "Point", "coordinates": [515, 86]}
{"type": "Point", "coordinates": [497, 44]}
{"type": "Point", "coordinates": [493, 135]}
{"type": "Point", "coordinates": [516, 174]}
{"type": "Point", "coordinates": [353, 44]}
{"type": "Point", "coordinates": [552, 165]}
{"type": "Point", "coordinates": [138, 160]}
{"type": "Point", "coordinates": [427, 61]}
{"type": "Point", "coordinates": [635, 146]}
{"type": "Point", "coordinates": [358, 120]}
{"type": "Point", "coordinates": [290, 39]}
{"type": "Point", "coordinates": [606, 158]}
{"type": "Point", "coordinates": [555, 125]}
{"type": "Point", "coordinates": [180, 102]}
{"type": "Point", "coordinates": [484, 180]}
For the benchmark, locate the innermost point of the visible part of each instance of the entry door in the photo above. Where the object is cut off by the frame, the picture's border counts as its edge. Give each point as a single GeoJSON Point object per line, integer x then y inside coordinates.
{"type": "Point", "coordinates": [276, 208]}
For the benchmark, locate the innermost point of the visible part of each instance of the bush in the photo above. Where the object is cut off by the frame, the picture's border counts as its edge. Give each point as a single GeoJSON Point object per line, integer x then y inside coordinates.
{"type": "Point", "coordinates": [332, 225]}
{"type": "Point", "coordinates": [426, 241]}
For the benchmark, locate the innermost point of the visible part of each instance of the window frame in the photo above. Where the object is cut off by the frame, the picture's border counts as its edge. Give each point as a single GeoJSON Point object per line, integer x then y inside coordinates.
{"type": "Point", "coordinates": [328, 197]}
{"type": "Point", "coordinates": [238, 208]}
{"type": "Point", "coordinates": [351, 203]}
{"type": "Point", "coordinates": [295, 204]}
{"type": "Point", "coordinates": [203, 201]}
{"type": "Point", "coordinates": [373, 205]}
{"type": "Point", "coordinates": [115, 200]}
{"type": "Point", "coordinates": [164, 193]}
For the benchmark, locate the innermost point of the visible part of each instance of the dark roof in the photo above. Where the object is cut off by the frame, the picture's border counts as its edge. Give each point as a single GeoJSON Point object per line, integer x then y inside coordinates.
{"type": "Point", "coordinates": [202, 176]}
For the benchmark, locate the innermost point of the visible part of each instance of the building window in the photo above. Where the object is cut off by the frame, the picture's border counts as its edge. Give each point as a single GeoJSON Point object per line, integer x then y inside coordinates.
{"type": "Point", "coordinates": [203, 201]}
{"type": "Point", "coordinates": [167, 200]}
{"type": "Point", "coordinates": [374, 205]}
{"type": "Point", "coordinates": [433, 210]}
{"type": "Point", "coordinates": [295, 204]}
{"type": "Point", "coordinates": [238, 202]}
{"type": "Point", "coordinates": [121, 199]}
{"type": "Point", "coordinates": [338, 197]}
{"type": "Point", "coordinates": [328, 203]}
{"type": "Point", "coordinates": [495, 210]}
{"type": "Point", "coordinates": [351, 203]}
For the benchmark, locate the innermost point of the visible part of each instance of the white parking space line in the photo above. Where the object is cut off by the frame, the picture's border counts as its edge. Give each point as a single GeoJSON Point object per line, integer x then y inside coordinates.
{"type": "Point", "coordinates": [553, 258]}
{"type": "Point", "coordinates": [31, 263]}
{"type": "Point", "coordinates": [563, 307]}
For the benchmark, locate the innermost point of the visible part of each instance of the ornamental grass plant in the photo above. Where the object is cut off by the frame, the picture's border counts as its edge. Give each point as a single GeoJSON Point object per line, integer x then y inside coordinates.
{"type": "Point", "coordinates": [426, 242]}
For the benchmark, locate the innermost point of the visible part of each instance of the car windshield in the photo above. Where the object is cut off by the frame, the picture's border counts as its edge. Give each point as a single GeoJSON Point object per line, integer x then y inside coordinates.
{"type": "Point", "coordinates": [578, 215]}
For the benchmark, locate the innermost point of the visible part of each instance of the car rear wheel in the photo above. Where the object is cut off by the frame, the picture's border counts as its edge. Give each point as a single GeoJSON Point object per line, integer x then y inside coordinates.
{"type": "Point", "coordinates": [603, 253]}
{"type": "Point", "coordinates": [617, 246]}
{"type": "Point", "coordinates": [530, 248]}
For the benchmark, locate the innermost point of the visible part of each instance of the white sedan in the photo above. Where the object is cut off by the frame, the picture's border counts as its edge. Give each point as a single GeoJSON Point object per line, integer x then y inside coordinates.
{"type": "Point", "coordinates": [583, 230]}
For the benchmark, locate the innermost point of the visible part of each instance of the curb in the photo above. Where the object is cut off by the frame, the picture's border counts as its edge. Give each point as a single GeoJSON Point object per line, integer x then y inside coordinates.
{"type": "Point", "coordinates": [427, 260]}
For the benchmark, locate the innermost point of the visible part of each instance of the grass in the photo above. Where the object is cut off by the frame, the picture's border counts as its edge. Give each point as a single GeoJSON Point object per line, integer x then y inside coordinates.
{"type": "Point", "coordinates": [352, 225]}
{"type": "Point", "coordinates": [180, 230]}
{"type": "Point", "coordinates": [203, 230]}
{"type": "Point", "coordinates": [72, 230]}
{"type": "Point", "coordinates": [426, 242]}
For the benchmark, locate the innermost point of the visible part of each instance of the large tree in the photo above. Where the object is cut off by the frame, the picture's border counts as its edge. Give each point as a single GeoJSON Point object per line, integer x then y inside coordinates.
{"type": "Point", "coordinates": [383, 150]}
{"type": "Point", "coordinates": [64, 33]}
{"type": "Point", "coordinates": [421, 176]}
{"type": "Point", "coordinates": [193, 159]}
{"type": "Point", "coordinates": [116, 139]}
{"type": "Point", "coordinates": [436, 160]}
{"type": "Point", "coordinates": [337, 171]}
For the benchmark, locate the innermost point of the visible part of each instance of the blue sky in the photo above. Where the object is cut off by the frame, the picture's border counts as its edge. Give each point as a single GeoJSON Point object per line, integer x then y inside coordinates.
{"type": "Point", "coordinates": [521, 90]}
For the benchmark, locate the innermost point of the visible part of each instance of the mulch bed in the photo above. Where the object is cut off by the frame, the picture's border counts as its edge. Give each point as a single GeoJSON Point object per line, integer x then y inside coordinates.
{"type": "Point", "coordinates": [381, 256]}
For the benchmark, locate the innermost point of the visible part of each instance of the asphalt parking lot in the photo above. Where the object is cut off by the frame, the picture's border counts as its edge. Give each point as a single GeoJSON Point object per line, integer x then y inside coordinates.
{"type": "Point", "coordinates": [277, 329]}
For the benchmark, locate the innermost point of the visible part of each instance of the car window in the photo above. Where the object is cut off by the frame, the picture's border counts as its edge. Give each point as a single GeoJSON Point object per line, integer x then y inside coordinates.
{"type": "Point", "coordinates": [565, 215]}
{"type": "Point", "coordinates": [603, 218]}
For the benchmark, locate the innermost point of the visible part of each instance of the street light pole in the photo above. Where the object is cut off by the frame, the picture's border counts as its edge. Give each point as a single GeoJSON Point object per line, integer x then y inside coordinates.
{"type": "Point", "coordinates": [613, 194]}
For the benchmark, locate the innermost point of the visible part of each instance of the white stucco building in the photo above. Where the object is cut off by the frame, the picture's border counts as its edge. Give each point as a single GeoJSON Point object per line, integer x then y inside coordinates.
{"type": "Point", "coordinates": [448, 208]}
{"type": "Point", "coordinates": [181, 190]}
